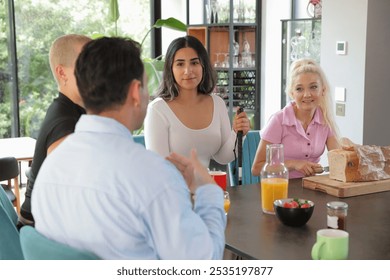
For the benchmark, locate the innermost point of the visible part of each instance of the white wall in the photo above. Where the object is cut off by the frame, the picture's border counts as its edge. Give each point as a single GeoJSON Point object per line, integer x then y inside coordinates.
{"type": "Point", "coordinates": [341, 23]}
{"type": "Point", "coordinates": [271, 34]}
{"type": "Point", "coordinates": [364, 70]}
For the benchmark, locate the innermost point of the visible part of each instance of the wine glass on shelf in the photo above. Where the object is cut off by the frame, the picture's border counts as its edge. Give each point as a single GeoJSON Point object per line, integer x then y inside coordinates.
{"type": "Point", "coordinates": [226, 62]}
{"type": "Point", "coordinates": [217, 63]}
{"type": "Point", "coordinates": [208, 13]}
{"type": "Point", "coordinates": [250, 13]}
{"type": "Point", "coordinates": [224, 11]}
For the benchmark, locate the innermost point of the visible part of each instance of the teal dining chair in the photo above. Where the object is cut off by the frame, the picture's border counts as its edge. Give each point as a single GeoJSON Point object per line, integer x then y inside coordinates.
{"type": "Point", "coordinates": [9, 171]}
{"type": "Point", "coordinates": [249, 148]}
{"type": "Point", "coordinates": [36, 246]}
{"type": "Point", "coordinates": [139, 139]}
{"type": "Point", "coordinates": [10, 248]}
{"type": "Point", "coordinates": [6, 203]}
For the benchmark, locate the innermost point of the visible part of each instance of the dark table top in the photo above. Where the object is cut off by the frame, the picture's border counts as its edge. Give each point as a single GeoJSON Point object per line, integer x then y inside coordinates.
{"type": "Point", "coordinates": [254, 235]}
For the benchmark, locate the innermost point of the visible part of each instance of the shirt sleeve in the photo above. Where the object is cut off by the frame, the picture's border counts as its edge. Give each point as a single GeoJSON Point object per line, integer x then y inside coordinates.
{"type": "Point", "coordinates": [273, 131]}
{"type": "Point", "coordinates": [182, 232]}
{"type": "Point", "coordinates": [228, 136]}
{"type": "Point", "coordinates": [156, 130]}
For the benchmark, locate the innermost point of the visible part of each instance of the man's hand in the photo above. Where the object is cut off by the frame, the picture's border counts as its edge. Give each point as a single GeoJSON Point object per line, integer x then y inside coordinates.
{"type": "Point", "coordinates": [194, 173]}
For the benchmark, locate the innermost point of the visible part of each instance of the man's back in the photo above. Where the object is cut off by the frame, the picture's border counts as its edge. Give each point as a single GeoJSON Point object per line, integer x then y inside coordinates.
{"type": "Point", "coordinates": [60, 120]}
{"type": "Point", "coordinates": [102, 192]}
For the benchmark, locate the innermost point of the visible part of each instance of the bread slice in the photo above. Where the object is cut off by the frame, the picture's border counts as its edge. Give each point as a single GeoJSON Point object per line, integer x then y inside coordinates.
{"type": "Point", "coordinates": [343, 165]}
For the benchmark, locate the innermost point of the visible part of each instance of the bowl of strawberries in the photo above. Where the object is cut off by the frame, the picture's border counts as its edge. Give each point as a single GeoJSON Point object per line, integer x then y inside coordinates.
{"type": "Point", "coordinates": [294, 212]}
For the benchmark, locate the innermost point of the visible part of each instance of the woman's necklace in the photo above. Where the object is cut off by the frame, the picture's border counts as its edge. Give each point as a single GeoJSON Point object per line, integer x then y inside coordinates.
{"type": "Point", "coordinates": [305, 123]}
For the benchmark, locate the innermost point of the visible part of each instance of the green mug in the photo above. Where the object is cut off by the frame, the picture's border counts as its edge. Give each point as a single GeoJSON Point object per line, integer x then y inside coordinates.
{"type": "Point", "coordinates": [332, 244]}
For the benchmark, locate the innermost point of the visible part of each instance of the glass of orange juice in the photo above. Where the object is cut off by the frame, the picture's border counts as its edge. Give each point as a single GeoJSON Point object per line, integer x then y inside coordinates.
{"type": "Point", "coordinates": [226, 203]}
{"type": "Point", "coordinates": [271, 190]}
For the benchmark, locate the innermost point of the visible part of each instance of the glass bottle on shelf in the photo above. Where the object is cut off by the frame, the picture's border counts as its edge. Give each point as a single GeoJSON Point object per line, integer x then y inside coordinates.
{"type": "Point", "coordinates": [236, 48]}
{"type": "Point", "coordinates": [315, 43]}
{"type": "Point", "coordinates": [224, 11]}
{"type": "Point", "coordinates": [274, 178]}
{"type": "Point", "coordinates": [246, 55]}
{"type": "Point", "coordinates": [208, 13]}
{"type": "Point", "coordinates": [298, 46]}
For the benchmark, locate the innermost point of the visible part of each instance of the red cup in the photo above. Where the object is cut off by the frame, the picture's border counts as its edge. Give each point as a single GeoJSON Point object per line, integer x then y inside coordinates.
{"type": "Point", "coordinates": [220, 178]}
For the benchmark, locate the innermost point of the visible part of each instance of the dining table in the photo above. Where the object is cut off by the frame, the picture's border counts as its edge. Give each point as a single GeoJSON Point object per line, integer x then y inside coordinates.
{"type": "Point", "coordinates": [21, 148]}
{"type": "Point", "coordinates": [252, 234]}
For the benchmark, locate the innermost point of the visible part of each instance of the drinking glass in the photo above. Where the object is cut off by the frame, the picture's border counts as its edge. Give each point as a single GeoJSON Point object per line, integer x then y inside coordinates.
{"type": "Point", "coordinates": [217, 62]}
{"type": "Point", "coordinates": [224, 11]}
{"type": "Point", "coordinates": [208, 14]}
{"type": "Point", "coordinates": [226, 203]}
{"type": "Point", "coordinates": [226, 61]}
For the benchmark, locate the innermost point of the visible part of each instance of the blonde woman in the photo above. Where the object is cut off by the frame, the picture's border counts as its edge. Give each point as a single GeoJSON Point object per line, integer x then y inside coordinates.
{"type": "Point", "coordinates": [305, 126]}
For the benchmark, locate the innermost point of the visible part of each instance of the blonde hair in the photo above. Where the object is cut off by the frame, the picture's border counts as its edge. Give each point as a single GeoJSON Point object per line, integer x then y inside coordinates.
{"type": "Point", "coordinates": [65, 50]}
{"type": "Point", "coordinates": [307, 65]}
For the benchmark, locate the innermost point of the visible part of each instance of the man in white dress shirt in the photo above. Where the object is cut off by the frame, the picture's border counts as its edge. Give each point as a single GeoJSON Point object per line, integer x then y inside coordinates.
{"type": "Point", "coordinates": [100, 191]}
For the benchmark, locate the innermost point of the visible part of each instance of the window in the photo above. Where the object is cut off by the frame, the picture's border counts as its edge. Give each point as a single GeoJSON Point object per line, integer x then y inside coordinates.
{"type": "Point", "coordinates": [37, 24]}
{"type": "Point", "coordinates": [5, 75]}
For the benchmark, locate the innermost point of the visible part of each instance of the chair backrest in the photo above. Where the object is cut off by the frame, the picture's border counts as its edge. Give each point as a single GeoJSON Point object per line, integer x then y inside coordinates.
{"type": "Point", "coordinates": [36, 246]}
{"type": "Point", "coordinates": [10, 248]}
{"type": "Point", "coordinates": [9, 170]}
{"type": "Point", "coordinates": [249, 148]}
{"type": "Point", "coordinates": [139, 139]}
{"type": "Point", "coordinates": [8, 207]}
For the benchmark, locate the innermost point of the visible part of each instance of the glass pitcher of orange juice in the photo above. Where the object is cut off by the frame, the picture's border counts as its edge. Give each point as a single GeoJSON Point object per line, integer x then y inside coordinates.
{"type": "Point", "coordinates": [274, 178]}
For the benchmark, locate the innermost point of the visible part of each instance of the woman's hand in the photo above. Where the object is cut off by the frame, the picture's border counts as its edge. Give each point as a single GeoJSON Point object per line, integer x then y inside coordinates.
{"type": "Point", "coordinates": [241, 123]}
{"type": "Point", "coordinates": [307, 168]}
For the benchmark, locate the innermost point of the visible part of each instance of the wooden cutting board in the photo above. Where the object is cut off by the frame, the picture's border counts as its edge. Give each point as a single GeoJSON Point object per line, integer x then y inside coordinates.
{"type": "Point", "coordinates": [341, 189]}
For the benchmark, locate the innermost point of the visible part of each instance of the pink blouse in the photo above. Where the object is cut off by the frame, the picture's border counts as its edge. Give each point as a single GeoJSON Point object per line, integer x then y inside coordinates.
{"type": "Point", "coordinates": [283, 127]}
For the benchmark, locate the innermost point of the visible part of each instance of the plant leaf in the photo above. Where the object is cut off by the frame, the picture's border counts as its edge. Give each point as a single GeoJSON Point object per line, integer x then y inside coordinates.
{"type": "Point", "coordinates": [96, 35]}
{"type": "Point", "coordinates": [114, 10]}
{"type": "Point", "coordinates": [172, 23]}
{"type": "Point", "coordinates": [154, 70]}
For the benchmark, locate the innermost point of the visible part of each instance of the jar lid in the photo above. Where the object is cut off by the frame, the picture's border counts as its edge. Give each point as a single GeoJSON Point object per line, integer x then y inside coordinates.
{"type": "Point", "coordinates": [337, 205]}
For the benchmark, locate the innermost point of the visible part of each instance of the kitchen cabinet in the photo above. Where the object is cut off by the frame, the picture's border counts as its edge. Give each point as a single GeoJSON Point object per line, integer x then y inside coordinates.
{"type": "Point", "coordinates": [229, 31]}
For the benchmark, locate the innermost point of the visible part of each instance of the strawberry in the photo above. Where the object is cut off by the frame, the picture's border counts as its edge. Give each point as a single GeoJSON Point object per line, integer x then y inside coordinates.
{"type": "Point", "coordinates": [287, 205]}
{"type": "Point", "coordinates": [294, 204]}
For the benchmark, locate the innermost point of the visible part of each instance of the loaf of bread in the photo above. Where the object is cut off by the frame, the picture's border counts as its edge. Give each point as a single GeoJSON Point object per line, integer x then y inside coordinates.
{"type": "Point", "coordinates": [343, 165]}
{"type": "Point", "coordinates": [361, 164]}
